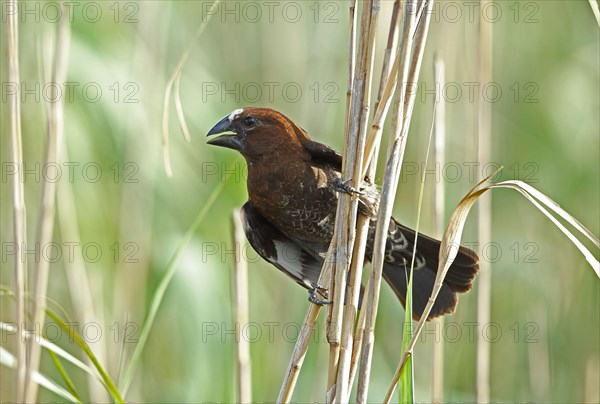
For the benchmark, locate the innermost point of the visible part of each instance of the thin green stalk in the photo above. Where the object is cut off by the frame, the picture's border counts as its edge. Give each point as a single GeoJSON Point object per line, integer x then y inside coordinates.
{"type": "Point", "coordinates": [406, 380]}
{"type": "Point", "coordinates": [65, 376]}
{"type": "Point", "coordinates": [108, 382]}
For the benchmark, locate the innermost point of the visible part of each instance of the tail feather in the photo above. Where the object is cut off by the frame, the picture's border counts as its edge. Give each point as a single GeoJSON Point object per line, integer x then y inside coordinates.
{"type": "Point", "coordinates": [459, 278]}
{"type": "Point", "coordinates": [423, 282]}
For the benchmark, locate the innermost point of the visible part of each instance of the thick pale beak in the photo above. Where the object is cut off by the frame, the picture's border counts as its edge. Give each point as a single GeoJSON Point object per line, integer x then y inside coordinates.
{"type": "Point", "coordinates": [229, 141]}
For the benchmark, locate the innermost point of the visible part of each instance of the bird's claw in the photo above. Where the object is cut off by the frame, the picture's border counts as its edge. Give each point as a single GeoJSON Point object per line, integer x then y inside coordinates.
{"type": "Point", "coordinates": [316, 290]}
{"type": "Point", "coordinates": [344, 186]}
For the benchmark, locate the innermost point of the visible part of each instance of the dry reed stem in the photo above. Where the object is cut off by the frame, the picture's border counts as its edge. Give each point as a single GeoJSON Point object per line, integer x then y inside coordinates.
{"type": "Point", "coordinates": [357, 342]}
{"type": "Point", "coordinates": [389, 88]}
{"type": "Point", "coordinates": [385, 210]}
{"type": "Point", "coordinates": [412, 71]}
{"type": "Point", "coordinates": [335, 309]}
{"type": "Point", "coordinates": [370, 166]}
{"type": "Point", "coordinates": [371, 18]}
{"type": "Point", "coordinates": [437, 377]}
{"type": "Point", "coordinates": [351, 64]}
{"type": "Point", "coordinates": [348, 204]}
{"type": "Point", "coordinates": [344, 374]}
{"type": "Point", "coordinates": [308, 326]}
{"type": "Point", "coordinates": [19, 210]}
{"type": "Point", "coordinates": [484, 141]}
{"type": "Point", "coordinates": [387, 85]}
{"type": "Point", "coordinates": [48, 197]}
{"type": "Point", "coordinates": [390, 49]}
{"type": "Point", "coordinates": [333, 347]}
{"type": "Point", "coordinates": [240, 317]}
{"type": "Point", "coordinates": [297, 358]}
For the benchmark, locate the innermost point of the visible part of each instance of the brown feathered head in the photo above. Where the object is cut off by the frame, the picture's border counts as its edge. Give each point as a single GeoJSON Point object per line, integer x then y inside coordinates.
{"type": "Point", "coordinates": [258, 133]}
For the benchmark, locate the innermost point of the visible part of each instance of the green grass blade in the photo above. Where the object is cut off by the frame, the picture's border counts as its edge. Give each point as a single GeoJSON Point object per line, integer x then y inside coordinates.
{"type": "Point", "coordinates": [161, 289]}
{"type": "Point", "coordinates": [406, 381]}
{"type": "Point", "coordinates": [65, 376]}
{"type": "Point", "coordinates": [8, 360]}
{"type": "Point", "coordinates": [53, 348]}
{"type": "Point", "coordinates": [107, 380]}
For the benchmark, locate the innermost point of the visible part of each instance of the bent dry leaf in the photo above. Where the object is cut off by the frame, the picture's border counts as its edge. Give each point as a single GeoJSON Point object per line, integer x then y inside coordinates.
{"type": "Point", "coordinates": [452, 237]}
{"type": "Point", "coordinates": [173, 86]}
{"type": "Point", "coordinates": [538, 199]}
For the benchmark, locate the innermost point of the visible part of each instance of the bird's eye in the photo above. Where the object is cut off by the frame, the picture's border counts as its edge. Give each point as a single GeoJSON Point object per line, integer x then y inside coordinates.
{"type": "Point", "coordinates": [249, 121]}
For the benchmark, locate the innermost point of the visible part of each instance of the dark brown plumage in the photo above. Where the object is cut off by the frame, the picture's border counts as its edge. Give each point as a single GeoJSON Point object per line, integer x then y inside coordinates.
{"type": "Point", "coordinates": [290, 215]}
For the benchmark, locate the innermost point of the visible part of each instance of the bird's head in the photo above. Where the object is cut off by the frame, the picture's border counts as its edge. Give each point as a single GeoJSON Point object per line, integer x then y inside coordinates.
{"type": "Point", "coordinates": [258, 133]}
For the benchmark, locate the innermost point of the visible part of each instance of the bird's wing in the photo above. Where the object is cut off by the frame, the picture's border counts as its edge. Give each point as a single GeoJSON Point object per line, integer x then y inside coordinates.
{"type": "Point", "coordinates": [278, 249]}
{"type": "Point", "coordinates": [323, 153]}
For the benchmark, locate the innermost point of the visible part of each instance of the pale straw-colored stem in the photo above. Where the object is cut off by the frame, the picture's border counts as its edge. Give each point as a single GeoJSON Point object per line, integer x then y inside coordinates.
{"type": "Point", "coordinates": [243, 374]}
{"type": "Point", "coordinates": [370, 166]}
{"type": "Point", "coordinates": [385, 212]}
{"type": "Point", "coordinates": [484, 139]}
{"type": "Point", "coordinates": [437, 377]}
{"type": "Point", "coordinates": [47, 204]}
{"type": "Point", "coordinates": [362, 227]}
{"type": "Point", "coordinates": [353, 157]}
{"type": "Point", "coordinates": [410, 63]}
{"type": "Point", "coordinates": [308, 326]}
{"type": "Point", "coordinates": [19, 213]}
{"type": "Point", "coordinates": [334, 309]}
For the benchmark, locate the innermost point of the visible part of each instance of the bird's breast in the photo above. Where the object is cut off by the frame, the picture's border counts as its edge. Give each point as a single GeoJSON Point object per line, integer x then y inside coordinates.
{"type": "Point", "coordinates": [299, 201]}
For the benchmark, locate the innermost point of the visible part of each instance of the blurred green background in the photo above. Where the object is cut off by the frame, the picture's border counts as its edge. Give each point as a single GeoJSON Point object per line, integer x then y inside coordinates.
{"type": "Point", "coordinates": [124, 217]}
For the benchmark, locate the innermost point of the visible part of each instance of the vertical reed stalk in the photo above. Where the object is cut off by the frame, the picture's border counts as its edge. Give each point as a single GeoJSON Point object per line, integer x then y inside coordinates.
{"type": "Point", "coordinates": [359, 159]}
{"type": "Point", "coordinates": [335, 309]}
{"type": "Point", "coordinates": [343, 317]}
{"type": "Point", "coordinates": [370, 157]}
{"type": "Point", "coordinates": [394, 161]}
{"type": "Point", "coordinates": [240, 308]}
{"type": "Point", "coordinates": [19, 210]}
{"type": "Point", "coordinates": [410, 62]}
{"type": "Point", "coordinates": [47, 205]}
{"type": "Point", "coordinates": [308, 326]}
{"type": "Point", "coordinates": [484, 136]}
{"type": "Point", "coordinates": [437, 379]}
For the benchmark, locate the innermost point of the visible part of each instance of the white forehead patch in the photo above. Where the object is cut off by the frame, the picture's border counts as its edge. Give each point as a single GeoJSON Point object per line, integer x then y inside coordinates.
{"type": "Point", "coordinates": [234, 114]}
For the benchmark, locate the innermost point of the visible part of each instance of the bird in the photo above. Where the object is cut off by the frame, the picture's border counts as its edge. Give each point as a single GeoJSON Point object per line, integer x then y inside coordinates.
{"type": "Point", "coordinates": [293, 185]}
